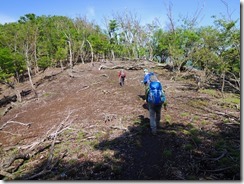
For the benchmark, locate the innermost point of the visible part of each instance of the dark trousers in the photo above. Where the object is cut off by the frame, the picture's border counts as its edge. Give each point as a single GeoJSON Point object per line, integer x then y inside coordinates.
{"type": "Point", "coordinates": [122, 81]}
{"type": "Point", "coordinates": [155, 115]}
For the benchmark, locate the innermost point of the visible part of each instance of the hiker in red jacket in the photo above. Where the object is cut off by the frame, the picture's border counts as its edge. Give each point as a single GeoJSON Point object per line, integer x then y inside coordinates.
{"type": "Point", "coordinates": [122, 76]}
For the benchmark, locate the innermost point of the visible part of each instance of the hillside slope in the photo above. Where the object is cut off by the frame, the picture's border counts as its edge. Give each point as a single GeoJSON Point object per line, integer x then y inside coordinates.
{"type": "Point", "coordinates": [88, 127]}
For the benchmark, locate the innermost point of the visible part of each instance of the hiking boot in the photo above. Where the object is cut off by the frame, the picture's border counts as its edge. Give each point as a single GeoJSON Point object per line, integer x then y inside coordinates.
{"type": "Point", "coordinates": [159, 125]}
{"type": "Point", "coordinates": [154, 132]}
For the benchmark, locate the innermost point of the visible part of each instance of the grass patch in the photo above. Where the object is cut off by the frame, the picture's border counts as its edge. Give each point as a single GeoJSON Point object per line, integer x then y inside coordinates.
{"type": "Point", "coordinates": [232, 98]}
{"type": "Point", "coordinates": [108, 153]}
{"type": "Point", "coordinates": [167, 153]}
{"type": "Point", "coordinates": [168, 119]}
{"type": "Point", "coordinates": [226, 120]}
{"type": "Point", "coordinates": [231, 101]}
{"type": "Point", "coordinates": [184, 114]}
{"type": "Point", "coordinates": [220, 144]}
{"type": "Point", "coordinates": [193, 131]}
{"type": "Point", "coordinates": [98, 135]}
{"type": "Point", "coordinates": [211, 92]}
{"type": "Point", "coordinates": [80, 135]}
{"type": "Point", "coordinates": [198, 103]}
{"type": "Point", "coordinates": [117, 169]}
{"type": "Point", "coordinates": [186, 132]}
{"type": "Point", "coordinates": [188, 147]}
{"type": "Point", "coordinates": [192, 177]}
{"type": "Point", "coordinates": [137, 122]}
{"type": "Point", "coordinates": [189, 125]}
{"type": "Point", "coordinates": [204, 122]}
{"type": "Point", "coordinates": [173, 132]}
{"type": "Point", "coordinates": [196, 140]}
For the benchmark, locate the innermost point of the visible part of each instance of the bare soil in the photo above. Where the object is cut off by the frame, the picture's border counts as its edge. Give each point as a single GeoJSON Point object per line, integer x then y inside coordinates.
{"type": "Point", "coordinates": [98, 130]}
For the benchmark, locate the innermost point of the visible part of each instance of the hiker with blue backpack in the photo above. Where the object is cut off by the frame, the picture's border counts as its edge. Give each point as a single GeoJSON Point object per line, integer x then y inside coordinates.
{"type": "Point", "coordinates": [155, 97]}
{"type": "Point", "coordinates": [146, 79]}
{"type": "Point", "coordinates": [147, 76]}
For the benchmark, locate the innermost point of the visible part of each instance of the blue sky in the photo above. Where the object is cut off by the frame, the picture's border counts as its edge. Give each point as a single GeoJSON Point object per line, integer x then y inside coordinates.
{"type": "Point", "coordinates": [96, 10]}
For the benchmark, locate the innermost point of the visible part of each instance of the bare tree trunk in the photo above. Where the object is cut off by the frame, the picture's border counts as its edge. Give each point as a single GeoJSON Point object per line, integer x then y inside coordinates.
{"type": "Point", "coordinates": [150, 53]}
{"type": "Point", "coordinates": [70, 55]}
{"type": "Point", "coordinates": [29, 75]}
{"type": "Point", "coordinates": [29, 70]}
{"type": "Point", "coordinates": [223, 83]}
{"type": "Point", "coordinates": [35, 56]}
{"type": "Point", "coordinates": [91, 51]}
{"type": "Point", "coordinates": [171, 21]}
{"type": "Point", "coordinates": [61, 64]}
{"type": "Point", "coordinates": [81, 49]}
{"type": "Point", "coordinates": [19, 99]}
{"type": "Point", "coordinates": [112, 53]}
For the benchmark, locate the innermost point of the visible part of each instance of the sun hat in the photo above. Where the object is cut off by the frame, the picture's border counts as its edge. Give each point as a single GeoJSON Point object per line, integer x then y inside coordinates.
{"type": "Point", "coordinates": [145, 70]}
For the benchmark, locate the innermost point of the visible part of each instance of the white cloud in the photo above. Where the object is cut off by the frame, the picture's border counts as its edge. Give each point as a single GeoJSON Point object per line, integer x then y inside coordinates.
{"type": "Point", "coordinates": [90, 12]}
{"type": "Point", "coordinates": [6, 19]}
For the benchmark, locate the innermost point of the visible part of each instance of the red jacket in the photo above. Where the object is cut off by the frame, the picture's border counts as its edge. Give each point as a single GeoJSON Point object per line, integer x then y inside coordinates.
{"type": "Point", "coordinates": [122, 74]}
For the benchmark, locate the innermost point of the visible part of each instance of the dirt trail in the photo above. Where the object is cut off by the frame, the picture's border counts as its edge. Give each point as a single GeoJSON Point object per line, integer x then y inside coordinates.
{"type": "Point", "coordinates": [109, 137]}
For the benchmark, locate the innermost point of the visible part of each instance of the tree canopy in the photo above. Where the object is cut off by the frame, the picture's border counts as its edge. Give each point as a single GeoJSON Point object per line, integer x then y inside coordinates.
{"type": "Point", "coordinates": [38, 42]}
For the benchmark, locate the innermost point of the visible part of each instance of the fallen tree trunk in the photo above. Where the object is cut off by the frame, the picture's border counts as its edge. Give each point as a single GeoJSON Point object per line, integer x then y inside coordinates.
{"type": "Point", "coordinates": [7, 99]}
{"type": "Point", "coordinates": [135, 67]}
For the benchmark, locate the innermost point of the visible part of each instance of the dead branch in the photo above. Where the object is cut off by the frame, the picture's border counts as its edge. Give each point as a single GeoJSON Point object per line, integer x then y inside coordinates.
{"type": "Point", "coordinates": [16, 157]}
{"type": "Point", "coordinates": [219, 157]}
{"type": "Point", "coordinates": [52, 146]}
{"type": "Point", "coordinates": [105, 75]}
{"type": "Point", "coordinates": [225, 114]}
{"type": "Point", "coordinates": [7, 132]}
{"type": "Point", "coordinates": [33, 149]}
{"type": "Point", "coordinates": [16, 116]}
{"type": "Point", "coordinates": [63, 125]}
{"type": "Point", "coordinates": [83, 88]}
{"type": "Point", "coordinates": [7, 99]}
{"type": "Point", "coordinates": [15, 122]}
{"type": "Point", "coordinates": [119, 128]}
{"type": "Point", "coordinates": [48, 169]}
{"type": "Point", "coordinates": [6, 174]}
{"type": "Point", "coordinates": [217, 170]}
{"type": "Point", "coordinates": [6, 110]}
{"type": "Point", "coordinates": [109, 117]}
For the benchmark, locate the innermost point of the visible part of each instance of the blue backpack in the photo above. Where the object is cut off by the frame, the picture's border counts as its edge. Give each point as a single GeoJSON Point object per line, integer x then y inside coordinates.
{"type": "Point", "coordinates": [156, 94]}
{"type": "Point", "coordinates": [146, 79]}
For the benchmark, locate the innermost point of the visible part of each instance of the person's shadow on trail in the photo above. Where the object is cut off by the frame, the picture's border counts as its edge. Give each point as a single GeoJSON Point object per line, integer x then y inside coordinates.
{"type": "Point", "coordinates": [142, 156]}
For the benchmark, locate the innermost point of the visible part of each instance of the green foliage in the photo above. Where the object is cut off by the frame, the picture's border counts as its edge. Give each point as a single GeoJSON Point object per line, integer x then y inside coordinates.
{"type": "Point", "coordinates": [61, 54]}
{"type": "Point", "coordinates": [188, 147]}
{"type": "Point", "coordinates": [7, 67]}
{"type": "Point", "coordinates": [193, 131]}
{"type": "Point", "coordinates": [184, 114]}
{"type": "Point", "coordinates": [44, 40]}
{"type": "Point", "coordinates": [168, 119]}
{"type": "Point", "coordinates": [167, 153]}
{"type": "Point", "coordinates": [44, 62]}
{"type": "Point", "coordinates": [232, 99]}
{"type": "Point", "coordinates": [211, 92]}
